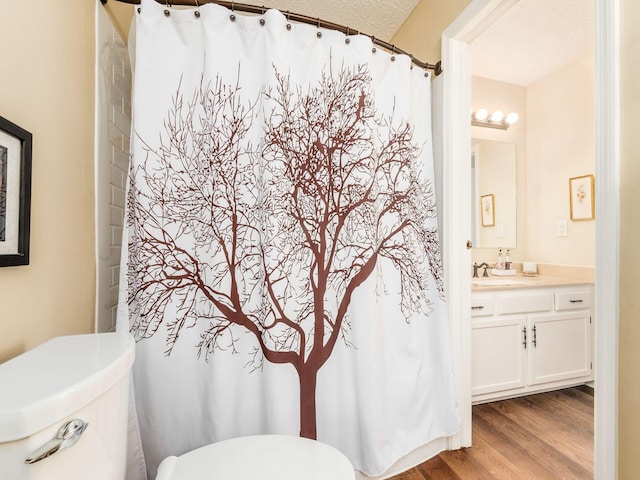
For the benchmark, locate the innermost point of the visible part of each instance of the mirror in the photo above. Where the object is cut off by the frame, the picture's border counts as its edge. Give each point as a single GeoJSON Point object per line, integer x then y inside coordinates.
{"type": "Point", "coordinates": [493, 169]}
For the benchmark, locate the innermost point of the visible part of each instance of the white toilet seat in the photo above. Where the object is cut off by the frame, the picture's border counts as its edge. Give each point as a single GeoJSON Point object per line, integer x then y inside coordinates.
{"type": "Point", "coordinates": [268, 457]}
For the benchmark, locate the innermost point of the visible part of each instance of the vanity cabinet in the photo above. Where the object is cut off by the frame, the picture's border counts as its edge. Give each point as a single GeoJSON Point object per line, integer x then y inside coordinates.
{"type": "Point", "coordinates": [530, 340]}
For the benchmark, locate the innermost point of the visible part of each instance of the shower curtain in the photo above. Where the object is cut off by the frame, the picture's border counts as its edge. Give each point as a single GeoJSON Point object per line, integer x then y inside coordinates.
{"type": "Point", "coordinates": [283, 270]}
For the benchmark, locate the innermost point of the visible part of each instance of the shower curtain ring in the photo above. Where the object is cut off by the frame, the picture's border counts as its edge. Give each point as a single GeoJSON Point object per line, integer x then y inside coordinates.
{"type": "Point", "coordinates": [167, 12]}
{"type": "Point", "coordinates": [197, 12]}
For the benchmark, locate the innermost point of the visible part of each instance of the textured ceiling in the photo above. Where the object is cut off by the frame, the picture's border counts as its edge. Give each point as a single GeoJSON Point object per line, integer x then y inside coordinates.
{"type": "Point", "coordinates": [374, 17]}
{"type": "Point", "coordinates": [533, 39]}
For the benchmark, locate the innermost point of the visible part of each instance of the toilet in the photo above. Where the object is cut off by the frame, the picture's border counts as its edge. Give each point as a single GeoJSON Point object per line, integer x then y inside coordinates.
{"type": "Point", "coordinates": [63, 409]}
{"type": "Point", "coordinates": [64, 414]}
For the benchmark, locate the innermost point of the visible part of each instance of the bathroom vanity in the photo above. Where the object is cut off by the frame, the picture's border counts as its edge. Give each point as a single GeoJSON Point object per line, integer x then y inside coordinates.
{"type": "Point", "coordinates": [529, 335]}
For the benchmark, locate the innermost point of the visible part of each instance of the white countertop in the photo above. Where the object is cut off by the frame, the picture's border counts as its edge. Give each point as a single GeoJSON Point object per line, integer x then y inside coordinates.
{"type": "Point", "coordinates": [514, 282]}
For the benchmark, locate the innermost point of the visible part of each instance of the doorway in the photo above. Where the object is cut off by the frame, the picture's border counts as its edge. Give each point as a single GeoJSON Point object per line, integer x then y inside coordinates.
{"type": "Point", "coordinates": [456, 206]}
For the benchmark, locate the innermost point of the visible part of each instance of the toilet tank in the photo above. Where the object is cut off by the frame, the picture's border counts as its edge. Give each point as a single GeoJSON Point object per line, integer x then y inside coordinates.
{"type": "Point", "coordinates": [83, 379]}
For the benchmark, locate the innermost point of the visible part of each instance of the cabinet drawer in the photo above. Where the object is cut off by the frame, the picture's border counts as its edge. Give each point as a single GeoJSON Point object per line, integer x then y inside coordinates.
{"type": "Point", "coordinates": [482, 305]}
{"type": "Point", "coordinates": [573, 300]}
{"type": "Point", "coordinates": [529, 302]}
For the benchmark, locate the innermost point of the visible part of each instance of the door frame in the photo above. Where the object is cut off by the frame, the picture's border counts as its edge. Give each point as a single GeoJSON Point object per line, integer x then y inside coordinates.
{"type": "Point", "coordinates": [456, 62]}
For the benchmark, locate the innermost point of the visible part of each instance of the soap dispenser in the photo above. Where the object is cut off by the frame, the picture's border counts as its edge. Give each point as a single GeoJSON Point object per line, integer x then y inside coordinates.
{"type": "Point", "coordinates": [500, 263]}
{"type": "Point", "coordinates": [507, 261]}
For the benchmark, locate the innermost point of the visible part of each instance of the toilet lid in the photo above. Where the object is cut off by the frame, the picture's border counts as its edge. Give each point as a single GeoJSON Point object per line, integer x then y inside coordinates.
{"type": "Point", "coordinates": [266, 457]}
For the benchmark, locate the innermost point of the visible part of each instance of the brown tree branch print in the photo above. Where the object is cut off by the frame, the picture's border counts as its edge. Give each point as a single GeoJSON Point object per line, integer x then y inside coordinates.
{"type": "Point", "coordinates": [274, 236]}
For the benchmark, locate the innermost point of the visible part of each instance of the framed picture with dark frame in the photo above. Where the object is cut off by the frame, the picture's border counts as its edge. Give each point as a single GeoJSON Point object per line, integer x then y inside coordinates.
{"type": "Point", "coordinates": [15, 193]}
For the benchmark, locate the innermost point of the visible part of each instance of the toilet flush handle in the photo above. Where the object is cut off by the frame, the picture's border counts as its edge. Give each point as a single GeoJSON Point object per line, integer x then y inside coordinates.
{"type": "Point", "coordinates": [67, 437]}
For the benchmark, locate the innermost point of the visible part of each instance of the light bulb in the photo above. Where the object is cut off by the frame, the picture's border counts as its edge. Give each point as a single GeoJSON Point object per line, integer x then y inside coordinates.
{"type": "Point", "coordinates": [481, 115]}
{"type": "Point", "coordinates": [511, 118]}
{"type": "Point", "coordinates": [496, 117]}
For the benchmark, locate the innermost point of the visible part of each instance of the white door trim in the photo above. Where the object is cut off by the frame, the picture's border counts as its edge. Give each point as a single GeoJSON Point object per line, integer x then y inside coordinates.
{"type": "Point", "coordinates": [456, 204]}
{"type": "Point", "coordinates": [607, 238]}
{"type": "Point", "coordinates": [456, 62]}
{"type": "Point", "coordinates": [456, 207]}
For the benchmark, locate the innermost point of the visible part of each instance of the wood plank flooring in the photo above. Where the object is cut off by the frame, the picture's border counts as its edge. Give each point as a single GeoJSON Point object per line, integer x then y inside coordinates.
{"type": "Point", "coordinates": [538, 437]}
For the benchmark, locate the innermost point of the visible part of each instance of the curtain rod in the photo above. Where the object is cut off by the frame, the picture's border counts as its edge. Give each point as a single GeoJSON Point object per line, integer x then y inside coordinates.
{"type": "Point", "coordinates": [296, 17]}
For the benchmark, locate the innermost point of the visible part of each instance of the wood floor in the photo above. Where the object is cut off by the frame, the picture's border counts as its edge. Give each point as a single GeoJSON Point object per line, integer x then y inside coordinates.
{"type": "Point", "coordinates": [539, 437]}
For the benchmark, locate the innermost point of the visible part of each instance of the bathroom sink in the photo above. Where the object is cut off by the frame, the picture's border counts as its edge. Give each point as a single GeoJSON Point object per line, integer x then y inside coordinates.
{"type": "Point", "coordinates": [497, 282]}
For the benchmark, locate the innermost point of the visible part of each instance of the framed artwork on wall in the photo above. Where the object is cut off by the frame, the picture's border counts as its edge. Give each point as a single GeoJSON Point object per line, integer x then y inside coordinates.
{"type": "Point", "coordinates": [582, 198]}
{"type": "Point", "coordinates": [15, 193]}
{"type": "Point", "coordinates": [488, 214]}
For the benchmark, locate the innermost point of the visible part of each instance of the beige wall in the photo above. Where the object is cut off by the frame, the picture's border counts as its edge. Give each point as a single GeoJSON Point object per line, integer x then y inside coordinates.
{"type": "Point", "coordinates": [560, 145]}
{"type": "Point", "coordinates": [420, 34]}
{"type": "Point", "coordinates": [494, 95]}
{"type": "Point", "coordinates": [555, 141]}
{"type": "Point", "coordinates": [121, 14]}
{"type": "Point", "coordinates": [46, 51]}
{"type": "Point", "coordinates": [629, 393]}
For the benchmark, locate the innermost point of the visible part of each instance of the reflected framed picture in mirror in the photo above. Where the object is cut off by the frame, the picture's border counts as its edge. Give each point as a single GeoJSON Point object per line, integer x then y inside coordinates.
{"type": "Point", "coordinates": [494, 171]}
{"type": "Point", "coordinates": [15, 193]}
{"type": "Point", "coordinates": [582, 198]}
{"type": "Point", "coordinates": [488, 214]}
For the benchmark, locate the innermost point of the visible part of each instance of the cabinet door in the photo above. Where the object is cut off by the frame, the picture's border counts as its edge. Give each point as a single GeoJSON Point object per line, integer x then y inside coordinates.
{"type": "Point", "coordinates": [559, 347]}
{"type": "Point", "coordinates": [498, 355]}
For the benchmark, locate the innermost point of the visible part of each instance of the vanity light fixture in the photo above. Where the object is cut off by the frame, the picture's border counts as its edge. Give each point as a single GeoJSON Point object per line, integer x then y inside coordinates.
{"type": "Point", "coordinates": [497, 119]}
{"type": "Point", "coordinates": [481, 115]}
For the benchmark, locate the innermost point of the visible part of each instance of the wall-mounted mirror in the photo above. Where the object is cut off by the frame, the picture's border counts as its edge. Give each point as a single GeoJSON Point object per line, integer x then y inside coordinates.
{"type": "Point", "coordinates": [493, 167]}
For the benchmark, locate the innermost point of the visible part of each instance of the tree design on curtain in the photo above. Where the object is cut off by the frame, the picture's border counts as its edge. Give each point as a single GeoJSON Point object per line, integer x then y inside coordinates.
{"type": "Point", "coordinates": [275, 238]}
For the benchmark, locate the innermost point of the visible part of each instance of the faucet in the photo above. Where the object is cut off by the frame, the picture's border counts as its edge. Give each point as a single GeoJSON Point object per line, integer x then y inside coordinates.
{"type": "Point", "coordinates": [484, 265]}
